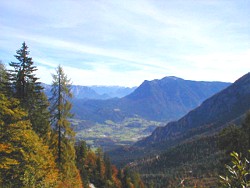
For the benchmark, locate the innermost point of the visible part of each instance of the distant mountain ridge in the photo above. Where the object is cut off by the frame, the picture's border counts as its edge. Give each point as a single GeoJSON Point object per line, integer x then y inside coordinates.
{"type": "Point", "coordinates": [113, 91]}
{"type": "Point", "coordinates": [159, 100]}
{"type": "Point", "coordinates": [96, 92]}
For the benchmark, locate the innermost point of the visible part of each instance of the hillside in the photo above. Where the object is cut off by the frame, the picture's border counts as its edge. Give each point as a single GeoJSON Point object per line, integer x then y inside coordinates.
{"type": "Point", "coordinates": [212, 115]}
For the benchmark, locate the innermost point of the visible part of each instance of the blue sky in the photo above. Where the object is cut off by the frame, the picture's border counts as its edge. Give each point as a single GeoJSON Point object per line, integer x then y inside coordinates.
{"type": "Point", "coordinates": [124, 42]}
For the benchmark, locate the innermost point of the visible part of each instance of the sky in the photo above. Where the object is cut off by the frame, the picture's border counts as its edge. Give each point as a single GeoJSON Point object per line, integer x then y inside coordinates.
{"type": "Point", "coordinates": [124, 42]}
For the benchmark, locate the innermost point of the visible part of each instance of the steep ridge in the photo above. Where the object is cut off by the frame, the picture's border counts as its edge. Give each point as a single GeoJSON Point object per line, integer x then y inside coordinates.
{"type": "Point", "coordinates": [160, 100]}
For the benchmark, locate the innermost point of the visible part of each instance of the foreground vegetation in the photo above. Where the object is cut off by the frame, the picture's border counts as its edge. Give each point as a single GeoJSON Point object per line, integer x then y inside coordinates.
{"type": "Point", "coordinates": [37, 142]}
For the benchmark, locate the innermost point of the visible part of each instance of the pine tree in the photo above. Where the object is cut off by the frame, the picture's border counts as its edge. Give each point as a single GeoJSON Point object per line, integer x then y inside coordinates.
{"type": "Point", "coordinates": [81, 154]}
{"type": "Point", "coordinates": [24, 82]}
{"type": "Point", "coordinates": [64, 134]}
{"type": "Point", "coordinates": [108, 167]}
{"type": "Point", "coordinates": [28, 90]}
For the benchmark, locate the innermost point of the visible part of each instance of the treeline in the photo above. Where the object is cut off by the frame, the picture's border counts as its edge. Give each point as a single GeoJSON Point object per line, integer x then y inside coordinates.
{"type": "Point", "coordinates": [37, 142]}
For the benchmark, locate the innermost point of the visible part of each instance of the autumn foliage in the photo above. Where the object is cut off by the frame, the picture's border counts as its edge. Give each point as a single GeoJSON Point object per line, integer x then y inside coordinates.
{"type": "Point", "coordinates": [37, 145]}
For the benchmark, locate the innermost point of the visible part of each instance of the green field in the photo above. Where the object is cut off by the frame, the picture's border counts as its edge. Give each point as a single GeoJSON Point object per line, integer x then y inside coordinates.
{"type": "Point", "coordinates": [109, 135]}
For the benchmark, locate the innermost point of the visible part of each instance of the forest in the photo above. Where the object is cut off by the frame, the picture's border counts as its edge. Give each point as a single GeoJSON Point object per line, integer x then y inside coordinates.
{"type": "Point", "coordinates": [37, 143]}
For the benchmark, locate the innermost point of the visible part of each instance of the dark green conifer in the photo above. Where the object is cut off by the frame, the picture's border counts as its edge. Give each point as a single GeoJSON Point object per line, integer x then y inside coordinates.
{"type": "Point", "coordinates": [28, 90]}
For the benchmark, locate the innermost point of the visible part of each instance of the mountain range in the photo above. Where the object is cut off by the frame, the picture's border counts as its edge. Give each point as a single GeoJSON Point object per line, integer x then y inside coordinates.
{"type": "Point", "coordinates": [226, 107]}
{"type": "Point", "coordinates": [159, 100]}
{"type": "Point", "coordinates": [96, 92]}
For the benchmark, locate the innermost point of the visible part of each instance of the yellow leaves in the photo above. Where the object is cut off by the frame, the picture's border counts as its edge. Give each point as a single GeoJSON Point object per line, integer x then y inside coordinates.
{"type": "Point", "coordinates": [5, 148]}
{"type": "Point", "coordinates": [10, 110]}
{"type": "Point", "coordinates": [25, 160]}
{"type": "Point", "coordinates": [28, 151]}
{"type": "Point", "coordinates": [6, 162]}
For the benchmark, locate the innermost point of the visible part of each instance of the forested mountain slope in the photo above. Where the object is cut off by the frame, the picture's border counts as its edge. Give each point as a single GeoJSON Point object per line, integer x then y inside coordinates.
{"type": "Point", "coordinates": [210, 117]}
{"type": "Point", "coordinates": [189, 150]}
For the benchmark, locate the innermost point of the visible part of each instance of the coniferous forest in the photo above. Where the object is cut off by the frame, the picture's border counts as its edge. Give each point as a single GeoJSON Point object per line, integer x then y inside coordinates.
{"type": "Point", "coordinates": [37, 143]}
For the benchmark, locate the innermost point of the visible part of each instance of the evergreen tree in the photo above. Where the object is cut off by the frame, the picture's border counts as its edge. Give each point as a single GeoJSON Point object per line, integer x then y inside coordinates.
{"type": "Point", "coordinates": [81, 156]}
{"type": "Point", "coordinates": [108, 167]}
{"type": "Point", "coordinates": [64, 135]}
{"type": "Point", "coordinates": [28, 90]}
{"type": "Point", "coordinates": [24, 81]}
{"type": "Point", "coordinates": [100, 169]}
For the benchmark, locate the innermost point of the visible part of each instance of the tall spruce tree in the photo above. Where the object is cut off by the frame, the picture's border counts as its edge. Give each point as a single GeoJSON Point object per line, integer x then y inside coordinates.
{"type": "Point", "coordinates": [24, 81]}
{"type": "Point", "coordinates": [64, 134]}
{"type": "Point", "coordinates": [28, 90]}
